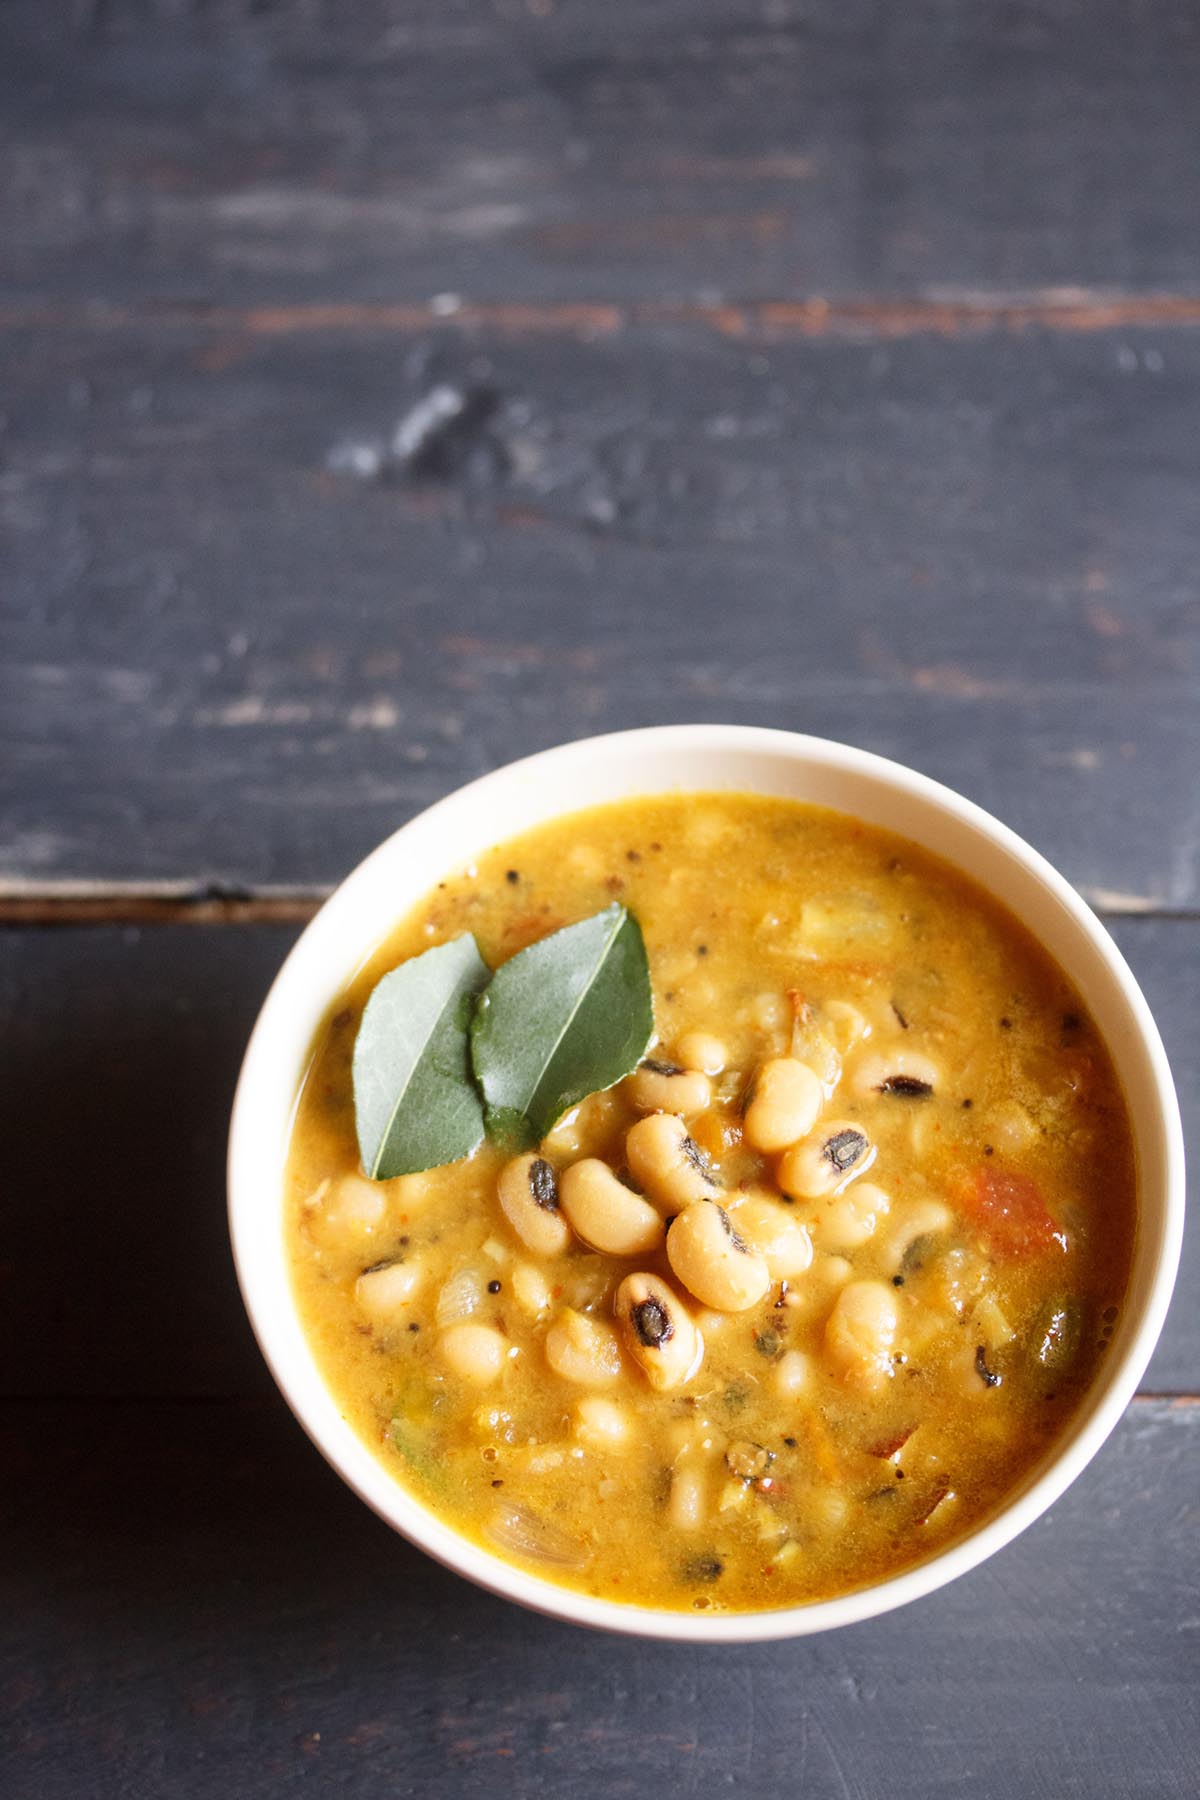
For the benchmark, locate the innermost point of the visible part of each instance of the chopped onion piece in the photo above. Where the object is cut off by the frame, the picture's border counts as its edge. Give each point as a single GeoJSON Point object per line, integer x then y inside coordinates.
{"type": "Point", "coordinates": [524, 1533]}
{"type": "Point", "coordinates": [461, 1296]}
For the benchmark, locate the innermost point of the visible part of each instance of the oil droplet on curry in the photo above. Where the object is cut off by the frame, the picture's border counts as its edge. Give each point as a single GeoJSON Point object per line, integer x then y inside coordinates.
{"type": "Point", "coordinates": [795, 1305]}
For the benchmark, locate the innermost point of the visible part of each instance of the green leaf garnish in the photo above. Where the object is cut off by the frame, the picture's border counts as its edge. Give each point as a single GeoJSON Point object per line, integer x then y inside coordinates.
{"type": "Point", "coordinates": [415, 1103]}
{"type": "Point", "coordinates": [420, 1458]}
{"type": "Point", "coordinates": [435, 1057]}
{"type": "Point", "coordinates": [568, 1016]}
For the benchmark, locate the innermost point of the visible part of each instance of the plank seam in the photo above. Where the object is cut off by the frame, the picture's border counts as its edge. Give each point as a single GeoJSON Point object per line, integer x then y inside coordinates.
{"type": "Point", "coordinates": [755, 320]}
{"type": "Point", "coordinates": [82, 903]}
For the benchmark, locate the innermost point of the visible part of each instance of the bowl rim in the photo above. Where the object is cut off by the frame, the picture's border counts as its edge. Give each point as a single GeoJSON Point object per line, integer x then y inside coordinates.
{"type": "Point", "coordinates": [345, 1452]}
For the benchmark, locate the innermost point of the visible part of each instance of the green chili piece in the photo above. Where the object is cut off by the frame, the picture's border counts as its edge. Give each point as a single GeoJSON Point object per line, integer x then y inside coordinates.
{"type": "Point", "coordinates": [1058, 1336]}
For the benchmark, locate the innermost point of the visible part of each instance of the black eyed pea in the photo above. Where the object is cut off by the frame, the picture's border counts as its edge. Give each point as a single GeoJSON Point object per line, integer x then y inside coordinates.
{"type": "Point", "coordinates": [565, 1138]}
{"type": "Point", "coordinates": [860, 1334]}
{"type": "Point", "coordinates": [701, 1050]}
{"type": "Point", "coordinates": [530, 1289]}
{"type": "Point", "coordinates": [1010, 1126]}
{"type": "Point", "coordinates": [908, 1225]}
{"type": "Point", "coordinates": [601, 1424]}
{"type": "Point", "coordinates": [349, 1211]}
{"type": "Point", "coordinates": [384, 1290]}
{"type": "Point", "coordinates": [475, 1353]}
{"type": "Point", "coordinates": [528, 1193]}
{"type": "Point", "coordinates": [825, 1162]}
{"type": "Point", "coordinates": [713, 1262]}
{"type": "Point", "coordinates": [658, 1330]}
{"type": "Point", "coordinates": [785, 1103]}
{"type": "Point", "coordinates": [904, 1074]}
{"type": "Point", "coordinates": [411, 1193]}
{"type": "Point", "coordinates": [791, 1374]}
{"type": "Point", "coordinates": [583, 1350]}
{"type": "Point", "coordinates": [606, 1214]}
{"type": "Point", "coordinates": [777, 1235]}
{"type": "Point", "coordinates": [665, 1161]}
{"type": "Point", "coordinates": [657, 1086]}
{"type": "Point", "coordinates": [688, 1503]}
{"type": "Point", "coordinates": [848, 1220]}
{"type": "Point", "coordinates": [829, 1273]}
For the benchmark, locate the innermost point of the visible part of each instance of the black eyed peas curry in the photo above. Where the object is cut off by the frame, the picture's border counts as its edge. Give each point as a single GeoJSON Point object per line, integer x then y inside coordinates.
{"type": "Point", "coordinates": [798, 1302]}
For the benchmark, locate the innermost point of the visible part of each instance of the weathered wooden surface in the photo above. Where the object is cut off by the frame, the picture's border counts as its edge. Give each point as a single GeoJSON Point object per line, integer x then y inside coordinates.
{"type": "Point", "coordinates": [231, 659]}
{"type": "Point", "coordinates": [121, 1054]}
{"type": "Point", "coordinates": [209, 149]}
{"type": "Point", "coordinates": [193, 1604]}
{"type": "Point", "coordinates": [123, 1046]}
{"type": "Point", "coordinates": [826, 363]}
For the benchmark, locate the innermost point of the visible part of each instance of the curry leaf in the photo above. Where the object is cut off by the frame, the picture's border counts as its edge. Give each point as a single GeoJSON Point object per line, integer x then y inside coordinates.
{"type": "Point", "coordinates": [415, 1103]}
{"type": "Point", "coordinates": [570, 1015]}
{"type": "Point", "coordinates": [421, 1460]}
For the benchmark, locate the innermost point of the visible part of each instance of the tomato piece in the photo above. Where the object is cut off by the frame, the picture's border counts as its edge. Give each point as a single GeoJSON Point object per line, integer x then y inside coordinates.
{"type": "Point", "coordinates": [1012, 1214]}
{"type": "Point", "coordinates": [715, 1134]}
{"type": "Point", "coordinates": [888, 1446]}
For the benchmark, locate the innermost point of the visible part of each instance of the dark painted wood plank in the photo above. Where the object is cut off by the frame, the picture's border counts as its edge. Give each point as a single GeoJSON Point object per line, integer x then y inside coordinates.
{"type": "Point", "coordinates": [1165, 958]}
{"type": "Point", "coordinates": [121, 1052]}
{"type": "Point", "coordinates": [227, 657]}
{"type": "Point", "coordinates": [683, 148]}
{"type": "Point", "coordinates": [194, 1606]}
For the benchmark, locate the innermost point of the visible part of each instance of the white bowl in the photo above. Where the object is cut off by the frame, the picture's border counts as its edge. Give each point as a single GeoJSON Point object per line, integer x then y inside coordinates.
{"type": "Point", "coordinates": [397, 875]}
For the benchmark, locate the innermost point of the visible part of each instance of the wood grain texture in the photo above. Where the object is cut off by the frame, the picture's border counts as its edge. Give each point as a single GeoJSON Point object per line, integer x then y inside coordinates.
{"type": "Point", "coordinates": [819, 363]}
{"type": "Point", "coordinates": [232, 657]}
{"type": "Point", "coordinates": [563, 151]}
{"type": "Point", "coordinates": [192, 1603]}
{"type": "Point", "coordinates": [758, 321]}
{"type": "Point", "coordinates": [122, 1049]}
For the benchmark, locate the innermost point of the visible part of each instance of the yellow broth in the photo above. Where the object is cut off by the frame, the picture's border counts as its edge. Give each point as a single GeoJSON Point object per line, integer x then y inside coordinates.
{"type": "Point", "coordinates": [777, 1473]}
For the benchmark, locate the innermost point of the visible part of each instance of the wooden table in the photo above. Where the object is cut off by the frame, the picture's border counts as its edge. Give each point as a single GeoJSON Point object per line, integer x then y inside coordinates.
{"type": "Point", "coordinates": [391, 390]}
